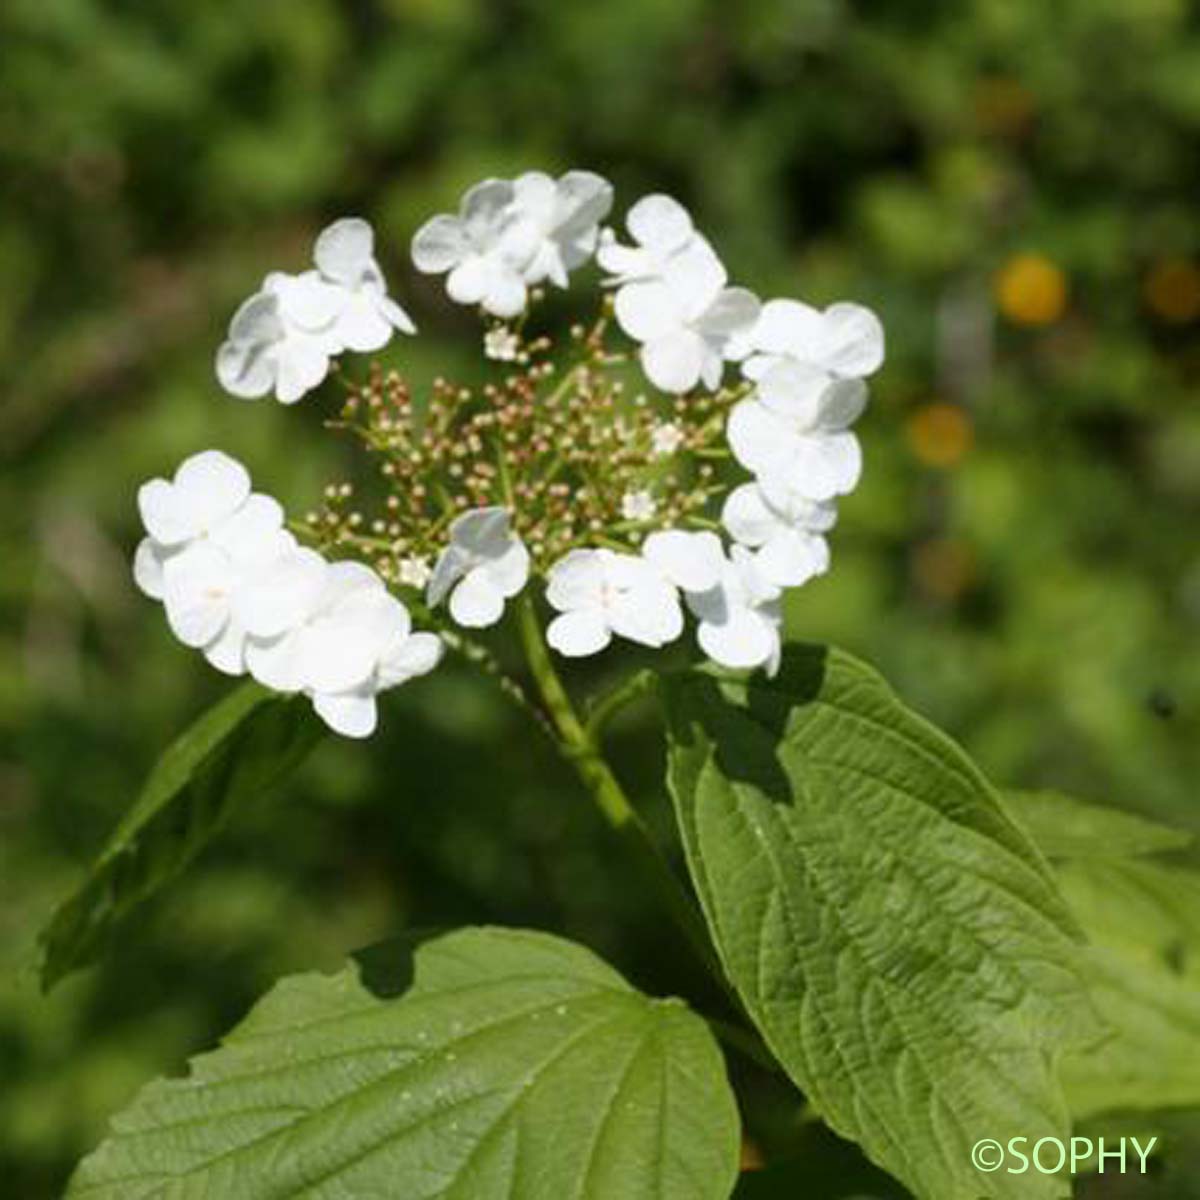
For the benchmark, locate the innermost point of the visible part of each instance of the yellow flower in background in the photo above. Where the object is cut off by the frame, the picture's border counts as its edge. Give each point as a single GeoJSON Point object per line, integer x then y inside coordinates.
{"type": "Point", "coordinates": [1172, 290]}
{"type": "Point", "coordinates": [940, 435]}
{"type": "Point", "coordinates": [1031, 290]}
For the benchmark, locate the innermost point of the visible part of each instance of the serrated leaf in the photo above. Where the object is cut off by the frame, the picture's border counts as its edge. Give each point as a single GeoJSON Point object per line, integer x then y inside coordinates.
{"type": "Point", "coordinates": [486, 1063]}
{"type": "Point", "coordinates": [1063, 827]}
{"type": "Point", "coordinates": [1143, 919]}
{"type": "Point", "coordinates": [895, 937]}
{"type": "Point", "coordinates": [239, 749]}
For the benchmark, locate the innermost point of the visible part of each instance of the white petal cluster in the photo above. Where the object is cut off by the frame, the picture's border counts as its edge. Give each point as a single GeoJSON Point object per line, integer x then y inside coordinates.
{"type": "Point", "coordinates": [282, 338]}
{"type": "Point", "coordinates": [236, 585]}
{"type": "Point", "coordinates": [600, 594]}
{"type": "Point", "coordinates": [510, 234]}
{"type": "Point", "coordinates": [794, 432]}
{"type": "Point", "coordinates": [483, 566]}
{"type": "Point", "coordinates": [672, 296]}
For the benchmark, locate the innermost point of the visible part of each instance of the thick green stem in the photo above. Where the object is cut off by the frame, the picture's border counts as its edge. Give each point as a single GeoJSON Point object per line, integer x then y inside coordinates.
{"type": "Point", "coordinates": [580, 747]}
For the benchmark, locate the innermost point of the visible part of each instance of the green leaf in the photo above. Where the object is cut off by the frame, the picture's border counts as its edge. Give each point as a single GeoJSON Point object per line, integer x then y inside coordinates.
{"type": "Point", "coordinates": [1143, 919]}
{"type": "Point", "coordinates": [1143, 966]}
{"type": "Point", "coordinates": [897, 940]}
{"type": "Point", "coordinates": [240, 748]}
{"type": "Point", "coordinates": [1063, 827]}
{"type": "Point", "coordinates": [484, 1063]}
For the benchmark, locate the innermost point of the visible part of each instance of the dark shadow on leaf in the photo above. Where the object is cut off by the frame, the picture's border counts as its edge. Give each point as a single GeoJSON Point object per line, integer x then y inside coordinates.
{"type": "Point", "coordinates": [387, 969]}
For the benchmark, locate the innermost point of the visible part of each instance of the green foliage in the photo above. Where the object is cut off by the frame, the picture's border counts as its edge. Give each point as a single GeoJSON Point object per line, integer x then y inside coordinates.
{"type": "Point", "coordinates": [484, 1063]}
{"type": "Point", "coordinates": [1142, 918]}
{"type": "Point", "coordinates": [894, 936]}
{"type": "Point", "coordinates": [237, 751]}
{"type": "Point", "coordinates": [1065, 828]}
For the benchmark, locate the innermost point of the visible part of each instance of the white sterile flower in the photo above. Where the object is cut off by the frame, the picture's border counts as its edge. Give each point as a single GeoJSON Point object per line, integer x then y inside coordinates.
{"type": "Point", "coordinates": [413, 572]}
{"type": "Point", "coordinates": [666, 439]}
{"type": "Point", "coordinates": [332, 631]}
{"type": "Point", "coordinates": [739, 618]}
{"type": "Point", "coordinates": [846, 339]}
{"type": "Point", "coordinates": [638, 506]}
{"type": "Point", "coordinates": [501, 344]}
{"type": "Point", "coordinates": [365, 314]}
{"type": "Point", "coordinates": [784, 527]}
{"type": "Point", "coordinates": [484, 564]}
{"type": "Point", "coordinates": [663, 234]}
{"type": "Point", "coordinates": [564, 216]}
{"type": "Point", "coordinates": [692, 562]}
{"type": "Point", "coordinates": [206, 585]}
{"type": "Point", "coordinates": [684, 321]}
{"type": "Point", "coordinates": [485, 249]}
{"type": "Point", "coordinates": [206, 488]}
{"type": "Point", "coordinates": [280, 339]}
{"type": "Point", "coordinates": [793, 433]}
{"type": "Point", "coordinates": [599, 593]}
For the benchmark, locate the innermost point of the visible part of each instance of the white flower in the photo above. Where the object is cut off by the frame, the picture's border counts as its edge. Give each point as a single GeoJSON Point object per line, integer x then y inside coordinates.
{"type": "Point", "coordinates": [207, 488]}
{"type": "Point", "coordinates": [413, 572]}
{"type": "Point", "coordinates": [485, 564]}
{"type": "Point", "coordinates": [365, 315]}
{"type": "Point", "coordinates": [784, 527]}
{"type": "Point", "coordinates": [282, 338]}
{"type": "Point", "coordinates": [485, 249]}
{"type": "Point", "coordinates": [793, 433]}
{"type": "Point", "coordinates": [739, 618]}
{"type": "Point", "coordinates": [663, 234]}
{"type": "Point", "coordinates": [564, 216]}
{"type": "Point", "coordinates": [332, 631]}
{"type": "Point", "coordinates": [692, 562]}
{"type": "Point", "coordinates": [208, 537]}
{"type": "Point", "coordinates": [685, 320]}
{"type": "Point", "coordinates": [846, 340]}
{"type": "Point", "coordinates": [666, 439]}
{"type": "Point", "coordinates": [501, 344]}
{"type": "Point", "coordinates": [638, 506]}
{"type": "Point", "coordinates": [599, 593]}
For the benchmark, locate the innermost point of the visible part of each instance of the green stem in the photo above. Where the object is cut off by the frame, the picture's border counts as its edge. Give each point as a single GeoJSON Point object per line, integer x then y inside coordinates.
{"type": "Point", "coordinates": [607, 706]}
{"type": "Point", "coordinates": [579, 746]}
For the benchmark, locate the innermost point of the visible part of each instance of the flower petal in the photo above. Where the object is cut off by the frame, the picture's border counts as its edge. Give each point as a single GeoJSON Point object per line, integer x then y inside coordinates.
{"type": "Point", "coordinates": [246, 369]}
{"type": "Point", "coordinates": [744, 640]}
{"type": "Point", "coordinates": [283, 594]}
{"type": "Point", "coordinates": [691, 561]}
{"type": "Point", "coordinates": [344, 250]}
{"type": "Point", "coordinates": [660, 222]}
{"type": "Point", "coordinates": [361, 325]}
{"type": "Point", "coordinates": [760, 440]}
{"type": "Point", "coordinates": [210, 486]}
{"type": "Point", "coordinates": [852, 341]}
{"type": "Point", "coordinates": [148, 562]}
{"type": "Point", "coordinates": [476, 602]}
{"type": "Point", "coordinates": [409, 657]}
{"type": "Point", "coordinates": [352, 714]}
{"type": "Point", "coordinates": [577, 580]}
{"type": "Point", "coordinates": [791, 557]}
{"type": "Point", "coordinates": [302, 363]}
{"type": "Point", "coordinates": [197, 585]}
{"type": "Point", "coordinates": [647, 310]}
{"type": "Point", "coordinates": [673, 363]}
{"type": "Point", "coordinates": [748, 516]}
{"type": "Point", "coordinates": [577, 634]}
{"type": "Point", "coordinates": [509, 572]}
{"type": "Point", "coordinates": [440, 245]}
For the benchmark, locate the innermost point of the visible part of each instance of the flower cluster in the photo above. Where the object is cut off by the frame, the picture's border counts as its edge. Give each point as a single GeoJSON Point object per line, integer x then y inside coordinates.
{"type": "Point", "coordinates": [236, 585]}
{"type": "Point", "coordinates": [565, 465]}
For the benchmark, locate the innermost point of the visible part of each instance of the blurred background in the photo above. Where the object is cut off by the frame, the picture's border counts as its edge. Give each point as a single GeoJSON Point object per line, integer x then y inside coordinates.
{"type": "Point", "coordinates": [1013, 185]}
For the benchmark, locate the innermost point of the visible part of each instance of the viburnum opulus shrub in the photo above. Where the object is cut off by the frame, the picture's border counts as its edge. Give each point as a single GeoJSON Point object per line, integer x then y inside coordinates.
{"type": "Point", "coordinates": [889, 937]}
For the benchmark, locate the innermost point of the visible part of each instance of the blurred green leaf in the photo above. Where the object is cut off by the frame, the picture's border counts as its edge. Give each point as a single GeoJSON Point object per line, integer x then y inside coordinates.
{"type": "Point", "coordinates": [895, 938]}
{"type": "Point", "coordinates": [238, 750]}
{"type": "Point", "coordinates": [486, 1062]}
{"type": "Point", "coordinates": [1062, 827]}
